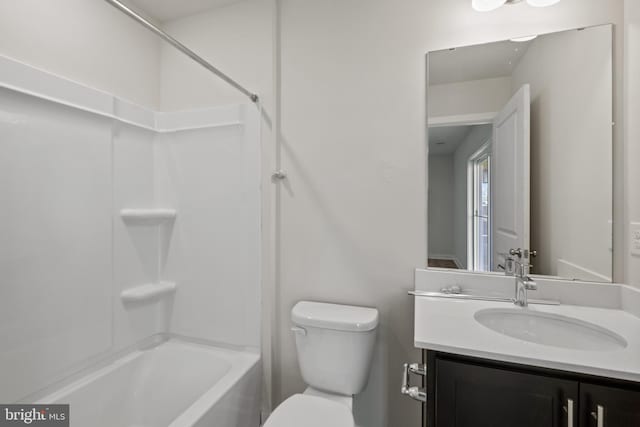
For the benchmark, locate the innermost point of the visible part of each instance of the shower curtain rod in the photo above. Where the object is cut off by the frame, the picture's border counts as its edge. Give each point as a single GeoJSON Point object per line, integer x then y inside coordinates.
{"type": "Point", "coordinates": [182, 48]}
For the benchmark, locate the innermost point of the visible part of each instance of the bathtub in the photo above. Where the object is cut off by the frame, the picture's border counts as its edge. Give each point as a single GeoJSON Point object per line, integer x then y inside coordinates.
{"type": "Point", "coordinates": [174, 384]}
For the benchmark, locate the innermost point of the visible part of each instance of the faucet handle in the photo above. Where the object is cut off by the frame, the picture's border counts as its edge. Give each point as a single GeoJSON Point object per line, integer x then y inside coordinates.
{"type": "Point", "coordinates": [530, 285]}
{"type": "Point", "coordinates": [509, 266]}
{"type": "Point", "coordinates": [516, 252]}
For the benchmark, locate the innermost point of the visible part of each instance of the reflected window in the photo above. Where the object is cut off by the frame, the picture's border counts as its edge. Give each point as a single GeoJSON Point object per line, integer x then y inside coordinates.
{"type": "Point", "coordinates": [480, 241]}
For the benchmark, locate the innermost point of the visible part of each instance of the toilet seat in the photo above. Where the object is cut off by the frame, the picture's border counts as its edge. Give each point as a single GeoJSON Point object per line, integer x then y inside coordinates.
{"type": "Point", "coordinates": [301, 410]}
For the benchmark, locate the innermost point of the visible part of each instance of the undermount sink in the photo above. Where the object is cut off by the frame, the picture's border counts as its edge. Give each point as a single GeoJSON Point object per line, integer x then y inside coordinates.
{"type": "Point", "coordinates": [550, 329]}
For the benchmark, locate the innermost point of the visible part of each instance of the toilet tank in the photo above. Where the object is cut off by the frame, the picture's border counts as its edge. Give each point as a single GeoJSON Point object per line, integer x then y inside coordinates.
{"type": "Point", "coordinates": [335, 345]}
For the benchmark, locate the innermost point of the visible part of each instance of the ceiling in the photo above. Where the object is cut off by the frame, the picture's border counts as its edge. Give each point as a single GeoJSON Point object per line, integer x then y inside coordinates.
{"type": "Point", "coordinates": [446, 139]}
{"type": "Point", "coordinates": [167, 10]}
{"type": "Point", "coordinates": [478, 62]}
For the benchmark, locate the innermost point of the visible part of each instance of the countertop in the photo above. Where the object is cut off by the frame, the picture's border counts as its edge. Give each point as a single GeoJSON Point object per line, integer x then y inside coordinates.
{"type": "Point", "coordinates": [449, 325]}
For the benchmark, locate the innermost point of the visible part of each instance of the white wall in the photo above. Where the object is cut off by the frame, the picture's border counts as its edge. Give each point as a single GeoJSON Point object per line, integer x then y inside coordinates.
{"type": "Point", "coordinates": [571, 149]}
{"type": "Point", "coordinates": [236, 38]}
{"type": "Point", "coordinates": [353, 135]}
{"type": "Point", "coordinates": [441, 197]}
{"type": "Point", "coordinates": [632, 129]}
{"type": "Point", "coordinates": [86, 41]}
{"type": "Point", "coordinates": [471, 97]}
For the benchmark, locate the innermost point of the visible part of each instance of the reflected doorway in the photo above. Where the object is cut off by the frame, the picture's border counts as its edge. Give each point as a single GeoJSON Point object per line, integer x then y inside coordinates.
{"type": "Point", "coordinates": [479, 244]}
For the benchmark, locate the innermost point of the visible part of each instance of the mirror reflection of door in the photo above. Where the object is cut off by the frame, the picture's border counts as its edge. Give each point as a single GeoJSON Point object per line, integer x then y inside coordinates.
{"type": "Point", "coordinates": [520, 154]}
{"type": "Point", "coordinates": [511, 133]}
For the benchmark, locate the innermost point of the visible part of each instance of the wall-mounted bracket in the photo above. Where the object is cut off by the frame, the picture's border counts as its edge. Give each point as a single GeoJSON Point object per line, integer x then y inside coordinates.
{"type": "Point", "coordinates": [279, 175]}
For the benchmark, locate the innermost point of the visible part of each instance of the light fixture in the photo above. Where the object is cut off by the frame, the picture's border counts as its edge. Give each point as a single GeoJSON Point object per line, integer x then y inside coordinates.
{"type": "Point", "coordinates": [486, 5]}
{"type": "Point", "coordinates": [489, 5]}
{"type": "Point", "coordinates": [523, 39]}
{"type": "Point", "coordinates": [542, 3]}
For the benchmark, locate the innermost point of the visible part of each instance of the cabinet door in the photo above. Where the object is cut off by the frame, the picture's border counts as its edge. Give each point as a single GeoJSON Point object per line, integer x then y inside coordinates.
{"type": "Point", "coordinates": [475, 396]}
{"type": "Point", "coordinates": [608, 407]}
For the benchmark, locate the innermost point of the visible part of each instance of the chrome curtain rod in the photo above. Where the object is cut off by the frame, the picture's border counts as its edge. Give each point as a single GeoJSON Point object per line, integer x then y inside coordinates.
{"type": "Point", "coordinates": [182, 48]}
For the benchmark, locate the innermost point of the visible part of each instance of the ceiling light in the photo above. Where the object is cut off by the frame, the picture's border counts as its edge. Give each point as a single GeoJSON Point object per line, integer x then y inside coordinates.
{"type": "Point", "coordinates": [523, 39]}
{"type": "Point", "coordinates": [486, 5]}
{"type": "Point", "coordinates": [542, 3]}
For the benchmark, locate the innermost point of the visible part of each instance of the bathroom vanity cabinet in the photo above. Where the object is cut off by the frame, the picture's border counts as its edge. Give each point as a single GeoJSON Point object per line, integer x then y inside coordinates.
{"type": "Point", "coordinates": [572, 364]}
{"type": "Point", "coordinates": [471, 392]}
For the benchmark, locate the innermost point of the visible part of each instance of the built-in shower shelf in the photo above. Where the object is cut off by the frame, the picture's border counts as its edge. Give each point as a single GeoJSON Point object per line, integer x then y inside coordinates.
{"type": "Point", "coordinates": [151, 216]}
{"type": "Point", "coordinates": [148, 292]}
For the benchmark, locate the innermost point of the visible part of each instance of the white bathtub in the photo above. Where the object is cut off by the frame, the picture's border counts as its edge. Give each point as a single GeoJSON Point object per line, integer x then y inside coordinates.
{"type": "Point", "coordinates": [175, 384]}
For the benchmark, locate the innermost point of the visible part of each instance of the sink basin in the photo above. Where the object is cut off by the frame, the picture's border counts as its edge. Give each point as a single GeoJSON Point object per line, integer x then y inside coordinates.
{"type": "Point", "coordinates": [550, 329]}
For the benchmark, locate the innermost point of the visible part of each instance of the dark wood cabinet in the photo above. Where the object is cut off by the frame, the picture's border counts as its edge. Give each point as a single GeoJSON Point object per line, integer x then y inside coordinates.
{"type": "Point", "coordinates": [476, 396]}
{"type": "Point", "coordinates": [608, 406]}
{"type": "Point", "coordinates": [471, 392]}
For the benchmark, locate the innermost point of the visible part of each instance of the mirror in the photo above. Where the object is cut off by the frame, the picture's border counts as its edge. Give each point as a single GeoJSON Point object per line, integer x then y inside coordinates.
{"type": "Point", "coordinates": [520, 154]}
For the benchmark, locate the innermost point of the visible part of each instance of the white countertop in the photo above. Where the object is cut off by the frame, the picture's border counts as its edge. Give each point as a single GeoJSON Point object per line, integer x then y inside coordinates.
{"type": "Point", "coordinates": [449, 325]}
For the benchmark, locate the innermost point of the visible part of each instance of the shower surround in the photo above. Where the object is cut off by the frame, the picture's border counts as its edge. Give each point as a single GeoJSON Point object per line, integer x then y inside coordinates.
{"type": "Point", "coordinates": [121, 226]}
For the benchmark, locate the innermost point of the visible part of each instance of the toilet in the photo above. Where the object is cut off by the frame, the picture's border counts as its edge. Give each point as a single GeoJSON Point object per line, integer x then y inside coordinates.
{"type": "Point", "coordinates": [335, 347]}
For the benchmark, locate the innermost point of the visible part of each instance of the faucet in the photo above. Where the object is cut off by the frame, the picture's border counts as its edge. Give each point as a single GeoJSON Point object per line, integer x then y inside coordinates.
{"type": "Point", "coordinates": [524, 284]}
{"type": "Point", "coordinates": [521, 272]}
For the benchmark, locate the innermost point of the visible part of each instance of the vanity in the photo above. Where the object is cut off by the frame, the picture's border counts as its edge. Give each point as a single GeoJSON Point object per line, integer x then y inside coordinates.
{"type": "Point", "coordinates": [516, 313]}
{"type": "Point", "coordinates": [570, 358]}
{"type": "Point", "coordinates": [499, 394]}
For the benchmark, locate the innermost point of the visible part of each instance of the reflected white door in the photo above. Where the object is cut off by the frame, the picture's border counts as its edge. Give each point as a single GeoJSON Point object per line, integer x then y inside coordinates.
{"type": "Point", "coordinates": [510, 177]}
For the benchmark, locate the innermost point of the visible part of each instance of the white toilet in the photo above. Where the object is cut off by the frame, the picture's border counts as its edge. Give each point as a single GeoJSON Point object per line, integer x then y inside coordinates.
{"type": "Point", "coordinates": [335, 347]}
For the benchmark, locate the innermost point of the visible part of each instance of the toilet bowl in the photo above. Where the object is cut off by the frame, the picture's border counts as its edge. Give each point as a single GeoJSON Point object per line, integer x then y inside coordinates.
{"type": "Point", "coordinates": [335, 346]}
{"type": "Point", "coordinates": [301, 410]}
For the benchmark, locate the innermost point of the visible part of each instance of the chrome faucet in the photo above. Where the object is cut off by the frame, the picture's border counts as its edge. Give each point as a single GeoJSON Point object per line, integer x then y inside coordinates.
{"type": "Point", "coordinates": [524, 283]}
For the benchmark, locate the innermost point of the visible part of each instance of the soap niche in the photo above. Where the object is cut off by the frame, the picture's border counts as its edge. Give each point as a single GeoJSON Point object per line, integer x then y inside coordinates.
{"type": "Point", "coordinates": [150, 230]}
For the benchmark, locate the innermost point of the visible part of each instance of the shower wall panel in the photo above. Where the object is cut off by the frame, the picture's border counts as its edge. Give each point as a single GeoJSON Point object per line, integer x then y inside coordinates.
{"type": "Point", "coordinates": [55, 240]}
{"type": "Point", "coordinates": [212, 177]}
{"type": "Point", "coordinates": [135, 247]}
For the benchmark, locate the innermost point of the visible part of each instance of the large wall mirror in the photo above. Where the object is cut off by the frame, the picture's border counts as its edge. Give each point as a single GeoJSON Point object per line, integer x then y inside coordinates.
{"type": "Point", "coordinates": [520, 154]}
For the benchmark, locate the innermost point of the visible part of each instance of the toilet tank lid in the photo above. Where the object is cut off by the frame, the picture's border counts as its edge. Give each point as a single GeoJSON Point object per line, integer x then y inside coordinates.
{"type": "Point", "coordinates": [334, 316]}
